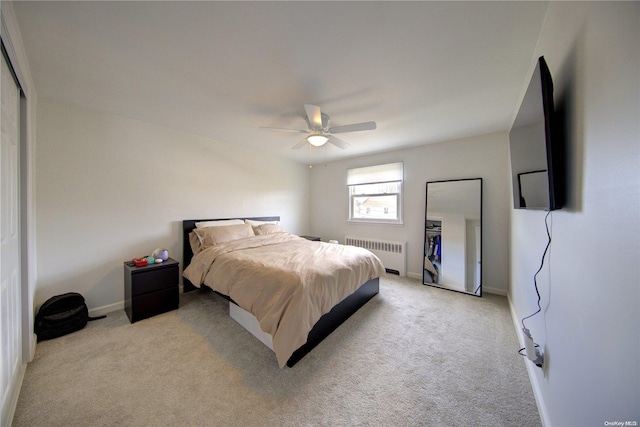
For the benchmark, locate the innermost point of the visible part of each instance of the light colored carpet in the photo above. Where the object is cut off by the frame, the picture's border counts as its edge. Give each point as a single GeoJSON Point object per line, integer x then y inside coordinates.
{"type": "Point", "coordinates": [413, 356]}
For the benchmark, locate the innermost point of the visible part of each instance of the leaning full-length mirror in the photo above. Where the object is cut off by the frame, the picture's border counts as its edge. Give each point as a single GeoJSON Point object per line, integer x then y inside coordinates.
{"type": "Point", "coordinates": [453, 235]}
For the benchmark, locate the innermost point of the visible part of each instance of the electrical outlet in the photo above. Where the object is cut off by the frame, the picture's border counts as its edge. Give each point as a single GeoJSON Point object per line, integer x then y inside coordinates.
{"type": "Point", "coordinates": [532, 350]}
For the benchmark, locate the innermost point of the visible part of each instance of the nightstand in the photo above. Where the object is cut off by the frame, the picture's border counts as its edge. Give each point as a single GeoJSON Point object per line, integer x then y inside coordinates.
{"type": "Point", "coordinates": [312, 238]}
{"type": "Point", "coordinates": [151, 290]}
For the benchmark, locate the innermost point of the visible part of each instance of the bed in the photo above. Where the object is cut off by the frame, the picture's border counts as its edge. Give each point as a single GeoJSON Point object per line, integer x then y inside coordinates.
{"type": "Point", "coordinates": [289, 292]}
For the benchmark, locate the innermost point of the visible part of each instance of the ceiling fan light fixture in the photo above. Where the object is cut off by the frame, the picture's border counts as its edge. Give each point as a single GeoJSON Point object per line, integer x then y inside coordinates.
{"type": "Point", "coordinates": [317, 140]}
{"type": "Point", "coordinates": [319, 131]}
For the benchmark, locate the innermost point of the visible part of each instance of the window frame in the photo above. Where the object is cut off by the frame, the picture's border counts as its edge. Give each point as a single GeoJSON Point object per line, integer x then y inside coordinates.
{"type": "Point", "coordinates": [372, 180]}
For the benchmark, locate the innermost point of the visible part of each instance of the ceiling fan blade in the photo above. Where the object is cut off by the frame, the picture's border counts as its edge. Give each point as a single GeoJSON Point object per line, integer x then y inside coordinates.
{"type": "Point", "coordinates": [314, 115]}
{"type": "Point", "coordinates": [354, 127]}
{"type": "Point", "coordinates": [300, 144]}
{"type": "Point", "coordinates": [287, 130]}
{"type": "Point", "coordinates": [338, 142]}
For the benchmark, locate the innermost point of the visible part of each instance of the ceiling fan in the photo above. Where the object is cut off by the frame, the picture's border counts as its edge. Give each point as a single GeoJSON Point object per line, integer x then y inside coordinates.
{"type": "Point", "coordinates": [319, 132]}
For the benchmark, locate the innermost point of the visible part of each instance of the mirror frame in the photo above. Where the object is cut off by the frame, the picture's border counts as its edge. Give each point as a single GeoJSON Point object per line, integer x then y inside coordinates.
{"type": "Point", "coordinates": [478, 290]}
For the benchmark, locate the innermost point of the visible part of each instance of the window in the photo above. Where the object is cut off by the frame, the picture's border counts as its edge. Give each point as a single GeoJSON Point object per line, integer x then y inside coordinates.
{"type": "Point", "coordinates": [375, 193]}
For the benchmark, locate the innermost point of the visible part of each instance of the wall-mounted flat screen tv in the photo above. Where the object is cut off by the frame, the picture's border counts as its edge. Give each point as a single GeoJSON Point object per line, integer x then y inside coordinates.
{"type": "Point", "coordinates": [537, 147]}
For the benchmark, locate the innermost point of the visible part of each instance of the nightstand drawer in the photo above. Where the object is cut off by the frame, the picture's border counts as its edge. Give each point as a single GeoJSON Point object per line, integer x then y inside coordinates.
{"type": "Point", "coordinates": [148, 305]}
{"type": "Point", "coordinates": [154, 279]}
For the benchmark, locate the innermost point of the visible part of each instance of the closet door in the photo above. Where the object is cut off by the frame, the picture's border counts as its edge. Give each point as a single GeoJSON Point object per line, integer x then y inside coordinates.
{"type": "Point", "coordinates": [10, 295]}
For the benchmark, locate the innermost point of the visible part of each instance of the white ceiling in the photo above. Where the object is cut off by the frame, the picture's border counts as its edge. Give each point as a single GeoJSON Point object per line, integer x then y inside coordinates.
{"type": "Point", "coordinates": [425, 72]}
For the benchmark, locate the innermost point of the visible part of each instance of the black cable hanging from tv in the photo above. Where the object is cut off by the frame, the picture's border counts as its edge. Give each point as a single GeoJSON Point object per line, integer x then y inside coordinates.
{"type": "Point", "coordinates": [535, 281]}
{"type": "Point", "coordinates": [533, 350]}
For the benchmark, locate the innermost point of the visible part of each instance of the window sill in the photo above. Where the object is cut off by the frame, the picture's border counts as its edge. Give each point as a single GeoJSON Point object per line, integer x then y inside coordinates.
{"type": "Point", "coordinates": [374, 221]}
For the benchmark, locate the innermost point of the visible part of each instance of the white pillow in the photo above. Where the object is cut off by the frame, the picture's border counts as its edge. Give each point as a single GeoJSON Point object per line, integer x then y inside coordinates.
{"type": "Point", "coordinates": [267, 229]}
{"type": "Point", "coordinates": [221, 223]}
{"type": "Point", "coordinates": [211, 236]}
{"type": "Point", "coordinates": [259, 223]}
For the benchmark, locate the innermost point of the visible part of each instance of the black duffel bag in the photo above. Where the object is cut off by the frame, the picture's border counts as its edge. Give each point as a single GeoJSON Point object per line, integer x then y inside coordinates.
{"type": "Point", "coordinates": [62, 314]}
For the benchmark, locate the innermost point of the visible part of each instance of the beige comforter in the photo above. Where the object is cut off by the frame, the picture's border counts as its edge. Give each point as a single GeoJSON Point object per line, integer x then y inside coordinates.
{"type": "Point", "coordinates": [285, 281]}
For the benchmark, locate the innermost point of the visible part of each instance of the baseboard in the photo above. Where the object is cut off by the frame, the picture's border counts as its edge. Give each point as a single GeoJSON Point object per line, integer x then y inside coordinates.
{"type": "Point", "coordinates": [485, 289]}
{"type": "Point", "coordinates": [531, 370]}
{"type": "Point", "coordinates": [494, 291]}
{"type": "Point", "coordinates": [32, 348]}
{"type": "Point", "coordinates": [14, 394]}
{"type": "Point", "coordinates": [105, 309]}
{"type": "Point", "coordinates": [109, 308]}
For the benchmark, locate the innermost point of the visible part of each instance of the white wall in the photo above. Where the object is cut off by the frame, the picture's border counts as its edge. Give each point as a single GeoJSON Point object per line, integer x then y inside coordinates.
{"type": "Point", "coordinates": [110, 188]}
{"type": "Point", "coordinates": [483, 156]}
{"type": "Point", "coordinates": [590, 286]}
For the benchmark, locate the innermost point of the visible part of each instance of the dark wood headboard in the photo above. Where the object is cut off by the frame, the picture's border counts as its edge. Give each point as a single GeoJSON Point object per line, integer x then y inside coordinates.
{"type": "Point", "coordinates": [189, 224]}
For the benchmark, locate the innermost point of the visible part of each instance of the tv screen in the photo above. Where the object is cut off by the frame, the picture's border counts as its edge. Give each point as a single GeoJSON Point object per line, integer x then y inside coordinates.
{"type": "Point", "coordinates": [537, 159]}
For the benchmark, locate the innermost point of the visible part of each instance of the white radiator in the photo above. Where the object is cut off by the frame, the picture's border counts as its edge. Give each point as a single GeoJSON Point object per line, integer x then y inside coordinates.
{"type": "Point", "coordinates": [392, 254]}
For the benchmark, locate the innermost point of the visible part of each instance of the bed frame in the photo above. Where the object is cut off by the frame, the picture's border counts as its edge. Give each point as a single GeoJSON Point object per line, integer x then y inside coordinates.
{"type": "Point", "coordinates": [325, 325]}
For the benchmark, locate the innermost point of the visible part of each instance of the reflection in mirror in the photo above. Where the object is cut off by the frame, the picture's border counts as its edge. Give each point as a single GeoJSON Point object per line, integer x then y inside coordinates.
{"type": "Point", "coordinates": [453, 235]}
